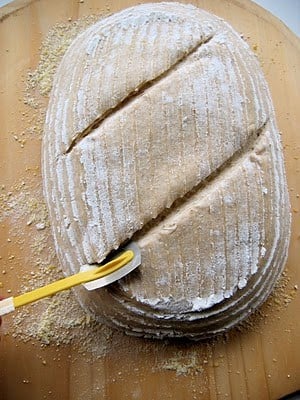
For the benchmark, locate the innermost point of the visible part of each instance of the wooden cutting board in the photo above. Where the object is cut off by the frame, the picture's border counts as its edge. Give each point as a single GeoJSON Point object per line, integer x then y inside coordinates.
{"type": "Point", "coordinates": [258, 361]}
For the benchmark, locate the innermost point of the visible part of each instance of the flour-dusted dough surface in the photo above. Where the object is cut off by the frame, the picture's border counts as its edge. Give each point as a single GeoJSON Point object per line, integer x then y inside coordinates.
{"type": "Point", "coordinates": [160, 128]}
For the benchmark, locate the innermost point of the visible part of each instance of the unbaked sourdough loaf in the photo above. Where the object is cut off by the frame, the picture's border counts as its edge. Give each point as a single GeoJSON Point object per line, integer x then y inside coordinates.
{"type": "Point", "coordinates": [160, 129]}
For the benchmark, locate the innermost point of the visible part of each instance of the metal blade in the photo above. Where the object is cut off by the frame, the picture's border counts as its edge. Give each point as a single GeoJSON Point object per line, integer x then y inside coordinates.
{"type": "Point", "coordinates": [120, 273]}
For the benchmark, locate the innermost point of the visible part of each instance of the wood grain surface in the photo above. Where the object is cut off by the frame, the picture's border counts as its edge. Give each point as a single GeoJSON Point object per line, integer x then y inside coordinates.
{"type": "Point", "coordinates": [262, 362]}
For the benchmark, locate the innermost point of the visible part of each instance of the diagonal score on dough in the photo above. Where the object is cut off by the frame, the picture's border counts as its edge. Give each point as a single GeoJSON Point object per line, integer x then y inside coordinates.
{"type": "Point", "coordinates": [131, 96]}
{"type": "Point", "coordinates": [214, 257]}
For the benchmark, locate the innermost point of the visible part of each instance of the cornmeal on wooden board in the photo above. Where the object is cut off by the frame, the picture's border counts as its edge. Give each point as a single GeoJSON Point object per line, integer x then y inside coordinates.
{"type": "Point", "coordinates": [257, 360]}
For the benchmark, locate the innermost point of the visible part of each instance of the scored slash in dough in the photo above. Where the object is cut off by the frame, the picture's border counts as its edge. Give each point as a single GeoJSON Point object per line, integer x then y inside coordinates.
{"type": "Point", "coordinates": [161, 113]}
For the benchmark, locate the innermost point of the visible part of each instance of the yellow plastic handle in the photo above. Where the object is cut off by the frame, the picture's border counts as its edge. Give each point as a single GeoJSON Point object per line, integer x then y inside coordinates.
{"type": "Point", "coordinates": [74, 280]}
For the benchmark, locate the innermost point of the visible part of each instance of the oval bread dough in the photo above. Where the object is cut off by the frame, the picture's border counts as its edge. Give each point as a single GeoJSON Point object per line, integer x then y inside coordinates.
{"type": "Point", "coordinates": [160, 128]}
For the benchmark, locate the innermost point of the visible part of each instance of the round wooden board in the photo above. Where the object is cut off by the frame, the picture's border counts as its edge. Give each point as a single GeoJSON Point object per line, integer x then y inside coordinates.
{"type": "Point", "coordinates": [262, 362]}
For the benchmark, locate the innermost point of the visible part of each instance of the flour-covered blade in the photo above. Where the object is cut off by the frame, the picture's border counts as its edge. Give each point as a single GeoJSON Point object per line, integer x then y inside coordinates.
{"type": "Point", "coordinates": [116, 275]}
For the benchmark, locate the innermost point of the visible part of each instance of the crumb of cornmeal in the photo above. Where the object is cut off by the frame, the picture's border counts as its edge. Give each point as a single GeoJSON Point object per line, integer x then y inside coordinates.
{"type": "Point", "coordinates": [53, 48]}
{"type": "Point", "coordinates": [183, 364]}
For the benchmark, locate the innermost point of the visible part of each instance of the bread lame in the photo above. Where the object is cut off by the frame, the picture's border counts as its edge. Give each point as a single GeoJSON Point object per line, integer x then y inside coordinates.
{"type": "Point", "coordinates": [90, 276]}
